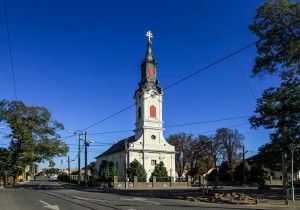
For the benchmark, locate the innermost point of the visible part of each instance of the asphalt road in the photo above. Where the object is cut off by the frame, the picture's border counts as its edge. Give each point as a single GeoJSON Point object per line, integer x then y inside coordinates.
{"type": "Point", "coordinates": [47, 194]}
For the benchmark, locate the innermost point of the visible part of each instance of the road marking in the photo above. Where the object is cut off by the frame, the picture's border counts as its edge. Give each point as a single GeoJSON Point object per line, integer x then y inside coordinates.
{"type": "Point", "coordinates": [138, 199]}
{"type": "Point", "coordinates": [41, 184]}
{"type": "Point", "coordinates": [47, 205]}
{"type": "Point", "coordinates": [87, 199]}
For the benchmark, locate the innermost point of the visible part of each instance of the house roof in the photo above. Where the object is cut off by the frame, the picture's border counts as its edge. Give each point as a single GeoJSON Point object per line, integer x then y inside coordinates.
{"type": "Point", "coordinates": [118, 147]}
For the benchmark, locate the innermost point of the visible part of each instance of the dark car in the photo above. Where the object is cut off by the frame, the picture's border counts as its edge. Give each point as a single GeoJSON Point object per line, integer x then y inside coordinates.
{"type": "Point", "coordinates": [297, 184]}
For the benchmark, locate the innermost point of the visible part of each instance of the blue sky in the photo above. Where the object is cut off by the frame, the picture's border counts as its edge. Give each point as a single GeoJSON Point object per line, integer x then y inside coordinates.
{"type": "Point", "coordinates": [80, 59]}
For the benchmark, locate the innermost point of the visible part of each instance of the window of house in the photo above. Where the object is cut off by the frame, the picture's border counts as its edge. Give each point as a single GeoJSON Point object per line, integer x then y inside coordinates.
{"type": "Point", "coordinates": [139, 113]}
{"type": "Point", "coordinates": [153, 162]}
{"type": "Point", "coordinates": [152, 111]}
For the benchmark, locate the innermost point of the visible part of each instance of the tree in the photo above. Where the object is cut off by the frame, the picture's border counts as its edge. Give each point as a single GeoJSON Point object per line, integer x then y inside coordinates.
{"type": "Point", "coordinates": [5, 159]}
{"type": "Point", "coordinates": [160, 172]}
{"type": "Point", "coordinates": [108, 170]}
{"type": "Point", "coordinates": [183, 146]}
{"type": "Point", "coordinates": [232, 143]}
{"type": "Point", "coordinates": [52, 171]}
{"type": "Point", "coordinates": [257, 174]}
{"type": "Point", "coordinates": [33, 136]}
{"type": "Point", "coordinates": [224, 171]}
{"type": "Point", "coordinates": [277, 24]}
{"type": "Point", "coordinates": [136, 169]}
{"type": "Point", "coordinates": [92, 167]}
{"type": "Point", "coordinates": [238, 171]}
{"type": "Point", "coordinates": [279, 110]}
{"type": "Point", "coordinates": [212, 146]}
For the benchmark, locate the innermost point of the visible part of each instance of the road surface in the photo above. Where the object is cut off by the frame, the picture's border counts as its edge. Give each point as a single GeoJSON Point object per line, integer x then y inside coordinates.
{"type": "Point", "coordinates": [47, 194]}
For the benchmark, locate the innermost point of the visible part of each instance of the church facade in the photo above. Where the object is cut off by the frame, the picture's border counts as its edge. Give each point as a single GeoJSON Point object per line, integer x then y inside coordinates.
{"type": "Point", "coordinates": [148, 145]}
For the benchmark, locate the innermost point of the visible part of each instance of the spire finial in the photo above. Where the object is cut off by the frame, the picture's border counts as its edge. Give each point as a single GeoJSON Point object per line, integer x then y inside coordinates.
{"type": "Point", "coordinates": [150, 35]}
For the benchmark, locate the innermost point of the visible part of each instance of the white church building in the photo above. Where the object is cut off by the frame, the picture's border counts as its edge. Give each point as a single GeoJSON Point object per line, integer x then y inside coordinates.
{"type": "Point", "coordinates": [148, 145]}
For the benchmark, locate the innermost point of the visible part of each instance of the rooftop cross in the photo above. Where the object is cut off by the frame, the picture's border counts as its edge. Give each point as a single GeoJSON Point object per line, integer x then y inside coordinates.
{"type": "Point", "coordinates": [150, 35]}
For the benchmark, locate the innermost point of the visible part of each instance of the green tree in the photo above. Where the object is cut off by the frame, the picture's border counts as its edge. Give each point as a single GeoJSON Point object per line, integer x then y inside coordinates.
{"type": "Point", "coordinates": [5, 159]}
{"type": "Point", "coordinates": [257, 174]}
{"type": "Point", "coordinates": [108, 170]}
{"type": "Point", "coordinates": [52, 171]}
{"type": "Point", "coordinates": [238, 171]}
{"type": "Point", "coordinates": [279, 110]}
{"type": "Point", "coordinates": [136, 169]}
{"type": "Point", "coordinates": [224, 171]}
{"type": "Point", "coordinates": [33, 136]}
{"type": "Point", "coordinates": [277, 24]}
{"type": "Point", "coordinates": [92, 167]}
{"type": "Point", "coordinates": [232, 143]}
{"type": "Point", "coordinates": [160, 172]}
{"type": "Point", "coordinates": [183, 145]}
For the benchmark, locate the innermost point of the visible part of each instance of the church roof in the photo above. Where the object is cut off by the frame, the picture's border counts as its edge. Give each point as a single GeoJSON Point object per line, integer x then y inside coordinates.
{"type": "Point", "coordinates": [118, 147]}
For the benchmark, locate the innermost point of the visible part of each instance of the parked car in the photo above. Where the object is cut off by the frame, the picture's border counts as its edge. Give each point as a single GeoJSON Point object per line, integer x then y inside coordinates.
{"type": "Point", "coordinates": [53, 176]}
{"type": "Point", "coordinates": [297, 184]}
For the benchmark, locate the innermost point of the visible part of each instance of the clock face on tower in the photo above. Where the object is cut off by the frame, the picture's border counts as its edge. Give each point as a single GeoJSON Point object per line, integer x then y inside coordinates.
{"type": "Point", "coordinates": [151, 71]}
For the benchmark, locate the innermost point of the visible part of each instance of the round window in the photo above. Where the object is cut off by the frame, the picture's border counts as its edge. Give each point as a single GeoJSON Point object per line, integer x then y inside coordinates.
{"type": "Point", "coordinates": [153, 137]}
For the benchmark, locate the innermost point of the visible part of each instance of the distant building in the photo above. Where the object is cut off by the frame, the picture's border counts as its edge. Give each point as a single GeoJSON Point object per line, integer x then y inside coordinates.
{"type": "Point", "coordinates": [148, 145]}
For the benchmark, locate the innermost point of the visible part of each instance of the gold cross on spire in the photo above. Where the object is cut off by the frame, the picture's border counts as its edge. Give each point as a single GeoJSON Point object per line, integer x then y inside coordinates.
{"type": "Point", "coordinates": [150, 35]}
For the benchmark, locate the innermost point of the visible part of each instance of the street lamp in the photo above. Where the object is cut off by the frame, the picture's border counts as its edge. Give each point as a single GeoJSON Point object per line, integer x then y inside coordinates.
{"type": "Point", "coordinates": [244, 167]}
{"type": "Point", "coordinates": [79, 169]}
{"type": "Point", "coordinates": [86, 144]}
{"type": "Point", "coordinates": [292, 147]}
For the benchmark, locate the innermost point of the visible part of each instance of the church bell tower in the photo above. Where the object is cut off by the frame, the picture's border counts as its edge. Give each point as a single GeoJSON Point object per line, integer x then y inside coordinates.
{"type": "Point", "coordinates": [148, 98]}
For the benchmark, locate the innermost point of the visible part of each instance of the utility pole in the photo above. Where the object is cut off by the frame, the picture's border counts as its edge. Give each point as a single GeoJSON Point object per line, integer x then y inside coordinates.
{"type": "Point", "coordinates": [292, 147]}
{"type": "Point", "coordinates": [85, 160]}
{"type": "Point", "coordinates": [79, 171]}
{"type": "Point", "coordinates": [69, 168]}
{"type": "Point", "coordinates": [126, 165]}
{"type": "Point", "coordinates": [244, 166]}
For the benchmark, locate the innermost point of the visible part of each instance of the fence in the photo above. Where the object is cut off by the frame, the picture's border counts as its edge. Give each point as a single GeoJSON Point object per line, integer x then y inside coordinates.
{"type": "Point", "coordinates": [135, 184]}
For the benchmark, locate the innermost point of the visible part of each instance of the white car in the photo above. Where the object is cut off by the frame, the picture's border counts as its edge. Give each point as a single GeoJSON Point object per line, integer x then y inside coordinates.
{"type": "Point", "coordinates": [53, 176]}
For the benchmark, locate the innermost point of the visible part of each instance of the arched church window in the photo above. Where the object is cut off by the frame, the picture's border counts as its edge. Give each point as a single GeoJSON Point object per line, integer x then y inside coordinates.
{"type": "Point", "coordinates": [152, 111]}
{"type": "Point", "coordinates": [139, 112]}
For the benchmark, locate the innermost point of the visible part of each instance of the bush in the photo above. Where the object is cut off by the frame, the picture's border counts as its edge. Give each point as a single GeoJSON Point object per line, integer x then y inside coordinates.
{"type": "Point", "coordinates": [63, 177]}
{"type": "Point", "coordinates": [107, 171]}
{"type": "Point", "coordinates": [74, 173]}
{"type": "Point", "coordinates": [136, 169]}
{"type": "Point", "coordinates": [160, 172]}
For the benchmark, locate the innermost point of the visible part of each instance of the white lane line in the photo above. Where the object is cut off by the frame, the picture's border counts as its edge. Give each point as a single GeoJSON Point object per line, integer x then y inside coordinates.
{"type": "Point", "coordinates": [87, 199]}
{"type": "Point", "coordinates": [47, 205]}
{"type": "Point", "coordinates": [41, 184]}
{"type": "Point", "coordinates": [138, 199]}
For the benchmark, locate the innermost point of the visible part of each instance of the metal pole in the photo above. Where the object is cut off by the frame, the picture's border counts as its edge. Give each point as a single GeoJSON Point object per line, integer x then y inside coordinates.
{"type": "Point", "coordinates": [85, 160]}
{"type": "Point", "coordinates": [69, 168]}
{"type": "Point", "coordinates": [126, 165]}
{"type": "Point", "coordinates": [293, 193]}
{"type": "Point", "coordinates": [79, 173]}
{"type": "Point", "coordinates": [244, 176]}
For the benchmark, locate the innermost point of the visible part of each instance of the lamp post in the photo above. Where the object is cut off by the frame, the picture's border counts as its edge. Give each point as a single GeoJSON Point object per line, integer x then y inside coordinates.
{"type": "Point", "coordinates": [292, 147]}
{"type": "Point", "coordinates": [79, 169]}
{"type": "Point", "coordinates": [244, 167]}
{"type": "Point", "coordinates": [126, 164]}
{"type": "Point", "coordinates": [86, 144]}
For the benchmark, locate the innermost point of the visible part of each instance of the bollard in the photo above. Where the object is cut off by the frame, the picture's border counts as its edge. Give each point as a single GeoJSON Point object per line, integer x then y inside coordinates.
{"type": "Point", "coordinates": [256, 200]}
{"type": "Point", "coordinates": [287, 201]}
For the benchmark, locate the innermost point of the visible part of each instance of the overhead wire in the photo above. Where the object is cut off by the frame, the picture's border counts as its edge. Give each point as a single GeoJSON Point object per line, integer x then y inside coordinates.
{"type": "Point", "coordinates": [221, 36]}
{"type": "Point", "coordinates": [10, 51]}
{"type": "Point", "coordinates": [177, 82]}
